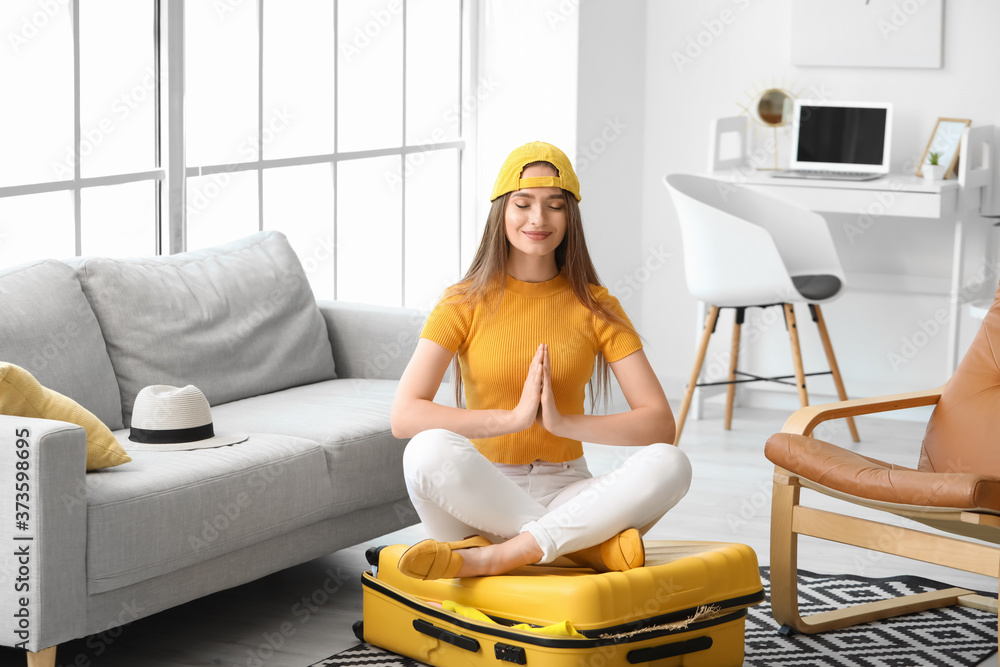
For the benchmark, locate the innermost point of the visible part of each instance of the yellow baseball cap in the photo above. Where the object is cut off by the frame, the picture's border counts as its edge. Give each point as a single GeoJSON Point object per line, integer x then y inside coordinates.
{"type": "Point", "coordinates": [510, 179]}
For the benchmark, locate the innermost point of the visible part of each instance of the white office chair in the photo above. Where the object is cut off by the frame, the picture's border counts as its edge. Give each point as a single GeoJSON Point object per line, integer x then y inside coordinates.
{"type": "Point", "coordinates": [744, 249]}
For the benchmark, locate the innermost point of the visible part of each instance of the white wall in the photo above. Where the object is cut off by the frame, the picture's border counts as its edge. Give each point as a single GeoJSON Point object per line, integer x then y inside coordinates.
{"type": "Point", "coordinates": [611, 137]}
{"type": "Point", "coordinates": [573, 74]}
{"type": "Point", "coordinates": [528, 63]}
{"type": "Point", "coordinates": [748, 52]}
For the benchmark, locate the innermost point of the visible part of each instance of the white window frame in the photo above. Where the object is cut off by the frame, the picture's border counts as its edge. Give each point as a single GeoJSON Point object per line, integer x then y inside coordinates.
{"type": "Point", "coordinates": [170, 173]}
{"type": "Point", "coordinates": [78, 183]}
{"type": "Point", "coordinates": [176, 172]}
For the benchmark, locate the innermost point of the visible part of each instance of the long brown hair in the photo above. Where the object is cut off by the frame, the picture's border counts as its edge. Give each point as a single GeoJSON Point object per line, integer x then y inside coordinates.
{"type": "Point", "coordinates": [485, 279]}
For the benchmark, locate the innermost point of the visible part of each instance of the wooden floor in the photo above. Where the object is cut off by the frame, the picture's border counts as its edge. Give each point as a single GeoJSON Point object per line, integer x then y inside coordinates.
{"type": "Point", "coordinates": [290, 620]}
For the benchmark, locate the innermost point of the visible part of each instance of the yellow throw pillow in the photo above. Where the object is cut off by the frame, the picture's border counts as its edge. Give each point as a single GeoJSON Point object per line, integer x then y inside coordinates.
{"type": "Point", "coordinates": [22, 396]}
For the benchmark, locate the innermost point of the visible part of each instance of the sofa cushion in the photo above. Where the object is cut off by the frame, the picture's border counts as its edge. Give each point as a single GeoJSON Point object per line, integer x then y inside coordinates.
{"type": "Point", "coordinates": [349, 418]}
{"type": "Point", "coordinates": [21, 395]}
{"type": "Point", "coordinates": [236, 320]}
{"type": "Point", "coordinates": [49, 329]}
{"type": "Point", "coordinates": [168, 510]}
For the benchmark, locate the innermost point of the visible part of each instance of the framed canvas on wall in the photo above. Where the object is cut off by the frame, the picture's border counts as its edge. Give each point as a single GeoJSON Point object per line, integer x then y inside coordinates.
{"type": "Point", "coordinates": [867, 33]}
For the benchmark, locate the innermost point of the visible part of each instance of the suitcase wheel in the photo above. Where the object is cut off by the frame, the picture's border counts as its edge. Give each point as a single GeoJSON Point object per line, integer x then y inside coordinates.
{"type": "Point", "coordinates": [359, 630]}
{"type": "Point", "coordinates": [371, 555]}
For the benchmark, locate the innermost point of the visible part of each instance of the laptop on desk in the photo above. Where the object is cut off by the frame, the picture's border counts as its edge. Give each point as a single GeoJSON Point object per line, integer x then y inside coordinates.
{"type": "Point", "coordinates": [839, 140]}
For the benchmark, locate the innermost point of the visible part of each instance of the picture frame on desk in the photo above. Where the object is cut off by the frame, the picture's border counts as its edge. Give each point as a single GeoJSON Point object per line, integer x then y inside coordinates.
{"type": "Point", "coordinates": [945, 140]}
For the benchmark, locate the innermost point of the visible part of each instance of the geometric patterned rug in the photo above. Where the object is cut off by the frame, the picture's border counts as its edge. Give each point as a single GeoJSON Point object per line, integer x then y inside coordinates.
{"type": "Point", "coordinates": [946, 637]}
{"type": "Point", "coordinates": [956, 636]}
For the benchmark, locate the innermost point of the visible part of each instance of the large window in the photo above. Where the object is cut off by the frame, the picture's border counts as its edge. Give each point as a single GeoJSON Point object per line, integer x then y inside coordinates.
{"type": "Point", "coordinates": [339, 123]}
{"type": "Point", "coordinates": [78, 166]}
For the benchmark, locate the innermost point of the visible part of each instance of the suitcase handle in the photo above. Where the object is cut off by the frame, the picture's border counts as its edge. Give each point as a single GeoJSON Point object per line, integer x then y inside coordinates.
{"type": "Point", "coordinates": [461, 641]}
{"type": "Point", "coordinates": [641, 655]}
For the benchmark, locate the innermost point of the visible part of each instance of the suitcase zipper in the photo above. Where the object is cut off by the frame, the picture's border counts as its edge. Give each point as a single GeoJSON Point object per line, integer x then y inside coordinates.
{"type": "Point", "coordinates": [593, 639]}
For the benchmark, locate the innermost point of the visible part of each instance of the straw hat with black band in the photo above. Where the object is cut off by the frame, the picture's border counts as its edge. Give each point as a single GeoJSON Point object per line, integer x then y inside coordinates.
{"type": "Point", "coordinates": [166, 419]}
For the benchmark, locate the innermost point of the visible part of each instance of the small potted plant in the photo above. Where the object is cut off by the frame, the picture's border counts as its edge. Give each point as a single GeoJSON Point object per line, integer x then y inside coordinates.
{"type": "Point", "coordinates": [932, 170]}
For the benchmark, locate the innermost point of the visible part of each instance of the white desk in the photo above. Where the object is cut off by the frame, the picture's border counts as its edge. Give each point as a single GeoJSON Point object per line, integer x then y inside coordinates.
{"type": "Point", "coordinates": [896, 195]}
{"type": "Point", "coordinates": [956, 202]}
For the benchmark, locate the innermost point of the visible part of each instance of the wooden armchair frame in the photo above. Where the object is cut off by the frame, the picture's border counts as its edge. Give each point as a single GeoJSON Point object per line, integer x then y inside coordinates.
{"type": "Point", "coordinates": [789, 519]}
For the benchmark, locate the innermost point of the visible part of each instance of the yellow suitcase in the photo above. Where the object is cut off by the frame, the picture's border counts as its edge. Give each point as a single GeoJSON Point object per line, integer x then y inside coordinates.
{"type": "Point", "coordinates": [687, 606]}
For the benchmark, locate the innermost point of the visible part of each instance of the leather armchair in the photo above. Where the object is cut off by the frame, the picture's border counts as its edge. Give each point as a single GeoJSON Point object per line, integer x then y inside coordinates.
{"type": "Point", "coordinates": [954, 488]}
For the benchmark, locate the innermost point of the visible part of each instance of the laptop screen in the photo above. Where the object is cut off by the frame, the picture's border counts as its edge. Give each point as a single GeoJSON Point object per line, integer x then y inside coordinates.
{"type": "Point", "coordinates": [841, 135]}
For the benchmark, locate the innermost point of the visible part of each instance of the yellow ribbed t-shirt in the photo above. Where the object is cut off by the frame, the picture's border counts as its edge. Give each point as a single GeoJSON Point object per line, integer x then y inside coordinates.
{"type": "Point", "coordinates": [495, 346]}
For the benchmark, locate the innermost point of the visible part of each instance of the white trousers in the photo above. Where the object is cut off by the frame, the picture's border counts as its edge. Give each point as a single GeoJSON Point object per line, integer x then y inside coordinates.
{"type": "Point", "coordinates": [458, 492]}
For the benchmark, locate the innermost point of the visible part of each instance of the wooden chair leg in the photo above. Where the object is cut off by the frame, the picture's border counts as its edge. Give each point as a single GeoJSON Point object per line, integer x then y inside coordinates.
{"type": "Point", "coordinates": [784, 577]}
{"type": "Point", "coordinates": [832, 361]}
{"type": "Point", "coordinates": [784, 553]}
{"type": "Point", "coordinates": [44, 658]}
{"type": "Point", "coordinates": [734, 355]}
{"type": "Point", "coordinates": [793, 336]}
{"type": "Point", "coordinates": [706, 334]}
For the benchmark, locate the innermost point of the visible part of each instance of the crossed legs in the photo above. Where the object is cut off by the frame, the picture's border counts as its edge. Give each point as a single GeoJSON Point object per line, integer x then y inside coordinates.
{"type": "Point", "coordinates": [536, 512]}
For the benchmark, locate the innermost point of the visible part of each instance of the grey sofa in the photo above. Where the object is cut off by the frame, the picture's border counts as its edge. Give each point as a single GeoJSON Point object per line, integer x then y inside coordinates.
{"type": "Point", "coordinates": [312, 384]}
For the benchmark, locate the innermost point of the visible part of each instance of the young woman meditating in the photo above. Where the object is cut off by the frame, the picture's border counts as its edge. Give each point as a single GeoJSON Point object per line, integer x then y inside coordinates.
{"type": "Point", "coordinates": [503, 482]}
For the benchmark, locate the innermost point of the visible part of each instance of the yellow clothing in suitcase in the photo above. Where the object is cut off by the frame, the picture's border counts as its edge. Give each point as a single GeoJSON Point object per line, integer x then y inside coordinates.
{"type": "Point", "coordinates": [562, 629]}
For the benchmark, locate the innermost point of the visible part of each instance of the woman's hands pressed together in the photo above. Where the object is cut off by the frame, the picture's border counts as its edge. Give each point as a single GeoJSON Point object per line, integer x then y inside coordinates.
{"type": "Point", "coordinates": [647, 420]}
{"type": "Point", "coordinates": [548, 414]}
{"type": "Point", "coordinates": [528, 407]}
{"type": "Point", "coordinates": [538, 403]}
